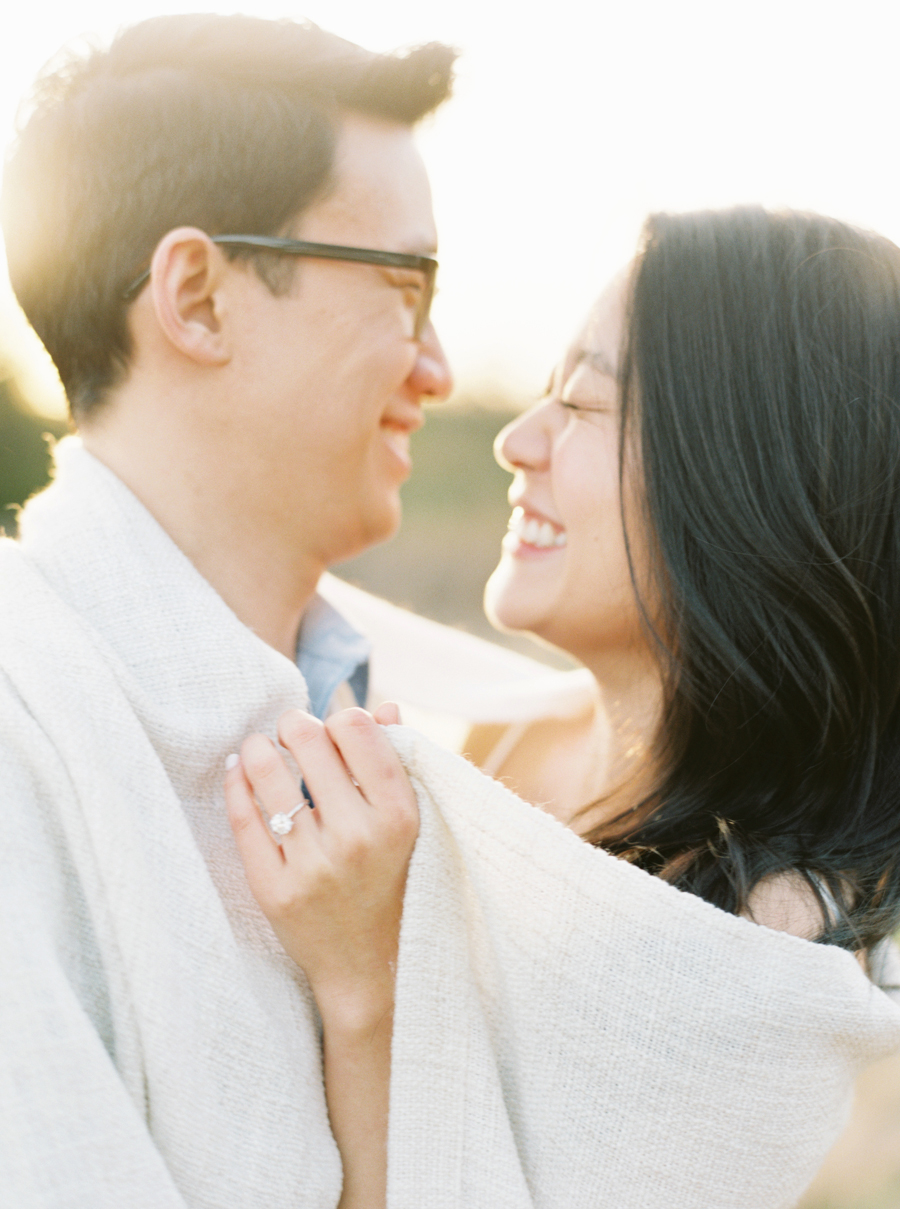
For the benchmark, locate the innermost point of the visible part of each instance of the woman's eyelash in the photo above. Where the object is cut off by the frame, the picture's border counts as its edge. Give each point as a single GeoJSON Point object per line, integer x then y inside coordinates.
{"type": "Point", "coordinates": [548, 396]}
{"type": "Point", "coordinates": [589, 407]}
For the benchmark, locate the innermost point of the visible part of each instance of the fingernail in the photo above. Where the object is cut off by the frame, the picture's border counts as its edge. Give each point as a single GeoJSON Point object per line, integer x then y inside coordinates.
{"type": "Point", "coordinates": [232, 761]}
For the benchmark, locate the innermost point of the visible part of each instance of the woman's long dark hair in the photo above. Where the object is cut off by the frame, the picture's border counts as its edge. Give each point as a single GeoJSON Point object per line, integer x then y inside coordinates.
{"type": "Point", "coordinates": [761, 386]}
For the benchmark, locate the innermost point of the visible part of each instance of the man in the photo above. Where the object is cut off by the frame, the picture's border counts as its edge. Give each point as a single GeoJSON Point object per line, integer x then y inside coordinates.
{"type": "Point", "coordinates": [222, 231]}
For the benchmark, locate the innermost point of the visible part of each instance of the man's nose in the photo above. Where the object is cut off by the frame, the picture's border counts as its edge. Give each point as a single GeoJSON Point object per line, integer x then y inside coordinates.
{"type": "Point", "coordinates": [431, 375]}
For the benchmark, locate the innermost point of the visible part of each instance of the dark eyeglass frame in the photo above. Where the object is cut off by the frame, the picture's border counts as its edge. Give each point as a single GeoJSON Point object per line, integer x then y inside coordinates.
{"type": "Point", "coordinates": [328, 251]}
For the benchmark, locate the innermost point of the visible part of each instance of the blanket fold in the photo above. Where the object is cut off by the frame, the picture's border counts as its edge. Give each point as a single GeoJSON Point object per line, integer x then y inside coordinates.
{"type": "Point", "coordinates": [157, 1047]}
{"type": "Point", "coordinates": [569, 1031]}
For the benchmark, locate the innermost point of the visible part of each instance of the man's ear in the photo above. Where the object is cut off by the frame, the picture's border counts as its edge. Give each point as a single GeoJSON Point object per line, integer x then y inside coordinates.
{"type": "Point", "coordinates": [186, 274]}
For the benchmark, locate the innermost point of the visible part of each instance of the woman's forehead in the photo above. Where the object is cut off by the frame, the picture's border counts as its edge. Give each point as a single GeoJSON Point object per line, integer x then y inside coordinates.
{"type": "Point", "coordinates": [602, 332]}
{"type": "Point", "coordinates": [597, 344]}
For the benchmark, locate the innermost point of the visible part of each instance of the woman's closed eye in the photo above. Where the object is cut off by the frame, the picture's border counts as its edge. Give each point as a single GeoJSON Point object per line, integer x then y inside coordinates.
{"type": "Point", "coordinates": [589, 391]}
{"type": "Point", "coordinates": [591, 406]}
{"type": "Point", "coordinates": [588, 407]}
{"type": "Point", "coordinates": [579, 405]}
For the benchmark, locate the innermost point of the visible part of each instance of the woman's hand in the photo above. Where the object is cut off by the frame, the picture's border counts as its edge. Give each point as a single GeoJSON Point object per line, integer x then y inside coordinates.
{"type": "Point", "coordinates": [332, 888]}
{"type": "Point", "coordinates": [333, 891]}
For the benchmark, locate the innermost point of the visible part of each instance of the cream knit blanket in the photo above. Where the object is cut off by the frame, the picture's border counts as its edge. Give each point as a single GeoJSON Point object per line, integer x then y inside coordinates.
{"type": "Point", "coordinates": [569, 1032]}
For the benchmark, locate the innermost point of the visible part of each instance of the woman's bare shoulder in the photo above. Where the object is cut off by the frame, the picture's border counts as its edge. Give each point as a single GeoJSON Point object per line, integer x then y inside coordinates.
{"type": "Point", "coordinates": [481, 741]}
{"type": "Point", "coordinates": [555, 763]}
{"type": "Point", "coordinates": [786, 903]}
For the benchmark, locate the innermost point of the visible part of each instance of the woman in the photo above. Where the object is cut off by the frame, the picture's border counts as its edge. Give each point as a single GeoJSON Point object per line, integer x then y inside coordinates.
{"type": "Point", "coordinates": [741, 622]}
{"type": "Point", "coordinates": [704, 515]}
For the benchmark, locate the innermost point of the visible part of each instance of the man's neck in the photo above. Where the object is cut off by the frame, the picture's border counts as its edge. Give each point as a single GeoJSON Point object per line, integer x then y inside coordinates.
{"type": "Point", "coordinates": [267, 586]}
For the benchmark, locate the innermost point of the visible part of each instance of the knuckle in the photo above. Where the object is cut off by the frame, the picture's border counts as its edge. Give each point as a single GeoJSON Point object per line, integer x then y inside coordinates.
{"type": "Point", "coordinates": [310, 882]}
{"type": "Point", "coordinates": [283, 901]}
{"type": "Point", "coordinates": [409, 818]}
{"type": "Point", "coordinates": [392, 776]}
{"type": "Point", "coordinates": [398, 794]}
{"type": "Point", "coordinates": [241, 822]}
{"type": "Point", "coordinates": [259, 757]}
{"type": "Point", "coordinates": [355, 847]}
{"type": "Point", "coordinates": [405, 828]}
{"type": "Point", "coordinates": [349, 721]}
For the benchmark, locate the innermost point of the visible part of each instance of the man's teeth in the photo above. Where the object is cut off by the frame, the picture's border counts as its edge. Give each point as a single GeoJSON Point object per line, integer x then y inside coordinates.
{"type": "Point", "coordinates": [398, 439]}
{"type": "Point", "coordinates": [534, 532]}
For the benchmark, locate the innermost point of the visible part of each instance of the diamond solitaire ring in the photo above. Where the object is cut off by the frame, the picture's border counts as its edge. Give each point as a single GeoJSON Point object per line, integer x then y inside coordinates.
{"type": "Point", "coordinates": [281, 824]}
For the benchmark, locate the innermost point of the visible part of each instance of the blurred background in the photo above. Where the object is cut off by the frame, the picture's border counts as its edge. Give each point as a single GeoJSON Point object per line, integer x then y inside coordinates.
{"type": "Point", "coordinates": [570, 122]}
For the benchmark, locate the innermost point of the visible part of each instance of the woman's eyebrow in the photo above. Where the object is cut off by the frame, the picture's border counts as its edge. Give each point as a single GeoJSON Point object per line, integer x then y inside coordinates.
{"type": "Point", "coordinates": [599, 361]}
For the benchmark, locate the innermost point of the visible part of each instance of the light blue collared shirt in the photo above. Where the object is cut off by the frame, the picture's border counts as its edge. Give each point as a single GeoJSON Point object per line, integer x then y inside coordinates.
{"type": "Point", "coordinates": [330, 651]}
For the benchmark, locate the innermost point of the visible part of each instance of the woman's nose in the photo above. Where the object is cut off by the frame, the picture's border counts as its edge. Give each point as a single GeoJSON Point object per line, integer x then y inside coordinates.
{"type": "Point", "coordinates": [524, 444]}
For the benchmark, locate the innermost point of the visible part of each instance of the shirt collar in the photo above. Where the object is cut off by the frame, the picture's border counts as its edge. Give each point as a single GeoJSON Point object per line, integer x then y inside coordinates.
{"type": "Point", "coordinates": [329, 652]}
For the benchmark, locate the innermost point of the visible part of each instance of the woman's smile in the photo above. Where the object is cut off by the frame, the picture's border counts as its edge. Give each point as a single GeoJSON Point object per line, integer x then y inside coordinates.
{"type": "Point", "coordinates": [529, 533]}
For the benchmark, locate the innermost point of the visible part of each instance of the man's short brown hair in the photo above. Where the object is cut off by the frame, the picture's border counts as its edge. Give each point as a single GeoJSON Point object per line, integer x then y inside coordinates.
{"type": "Point", "coordinates": [224, 123]}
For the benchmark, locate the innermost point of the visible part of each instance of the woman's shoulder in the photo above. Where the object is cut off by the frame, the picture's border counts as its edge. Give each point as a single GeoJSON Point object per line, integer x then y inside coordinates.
{"type": "Point", "coordinates": [556, 763]}
{"type": "Point", "coordinates": [786, 902]}
{"type": "Point", "coordinates": [489, 744]}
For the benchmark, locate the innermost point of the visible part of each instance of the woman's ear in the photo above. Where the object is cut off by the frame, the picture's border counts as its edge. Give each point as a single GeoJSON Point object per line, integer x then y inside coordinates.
{"type": "Point", "coordinates": [186, 274]}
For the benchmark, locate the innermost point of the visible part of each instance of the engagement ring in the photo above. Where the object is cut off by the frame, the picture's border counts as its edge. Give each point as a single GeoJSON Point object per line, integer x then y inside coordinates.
{"type": "Point", "coordinates": [281, 824]}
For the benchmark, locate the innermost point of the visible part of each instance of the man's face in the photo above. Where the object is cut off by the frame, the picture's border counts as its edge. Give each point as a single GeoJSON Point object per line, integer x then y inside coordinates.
{"type": "Point", "coordinates": [332, 379]}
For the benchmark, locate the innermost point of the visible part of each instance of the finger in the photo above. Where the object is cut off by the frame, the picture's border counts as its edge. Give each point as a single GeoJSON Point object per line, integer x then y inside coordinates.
{"type": "Point", "coordinates": [321, 767]}
{"type": "Point", "coordinates": [373, 763]}
{"type": "Point", "coordinates": [387, 714]}
{"type": "Point", "coordinates": [262, 860]}
{"type": "Point", "coordinates": [274, 786]}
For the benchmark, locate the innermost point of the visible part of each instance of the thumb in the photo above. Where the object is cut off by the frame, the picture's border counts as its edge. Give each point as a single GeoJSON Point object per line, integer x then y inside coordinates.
{"type": "Point", "coordinates": [387, 714]}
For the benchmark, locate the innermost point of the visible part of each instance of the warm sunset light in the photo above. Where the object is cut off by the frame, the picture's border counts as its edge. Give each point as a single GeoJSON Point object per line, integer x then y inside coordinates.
{"type": "Point", "coordinates": [570, 122]}
{"type": "Point", "coordinates": [490, 804]}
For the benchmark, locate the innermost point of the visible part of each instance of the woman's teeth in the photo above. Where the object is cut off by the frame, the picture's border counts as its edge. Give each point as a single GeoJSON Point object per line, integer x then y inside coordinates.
{"type": "Point", "coordinates": [533, 532]}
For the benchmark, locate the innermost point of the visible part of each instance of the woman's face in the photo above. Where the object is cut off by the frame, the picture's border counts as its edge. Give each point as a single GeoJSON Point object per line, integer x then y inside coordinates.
{"type": "Point", "coordinates": [563, 574]}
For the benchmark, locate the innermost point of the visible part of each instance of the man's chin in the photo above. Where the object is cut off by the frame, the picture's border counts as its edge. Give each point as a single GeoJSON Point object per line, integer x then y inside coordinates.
{"type": "Point", "coordinates": [378, 529]}
{"type": "Point", "coordinates": [386, 523]}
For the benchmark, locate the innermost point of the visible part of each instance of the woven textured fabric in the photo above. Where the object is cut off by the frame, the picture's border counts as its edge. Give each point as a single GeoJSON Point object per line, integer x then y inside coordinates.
{"type": "Point", "coordinates": [570, 1031]}
{"type": "Point", "coordinates": [157, 1048]}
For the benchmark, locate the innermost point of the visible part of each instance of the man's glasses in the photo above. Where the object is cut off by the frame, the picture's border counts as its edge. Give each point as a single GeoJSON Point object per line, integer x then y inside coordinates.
{"type": "Point", "coordinates": [426, 265]}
